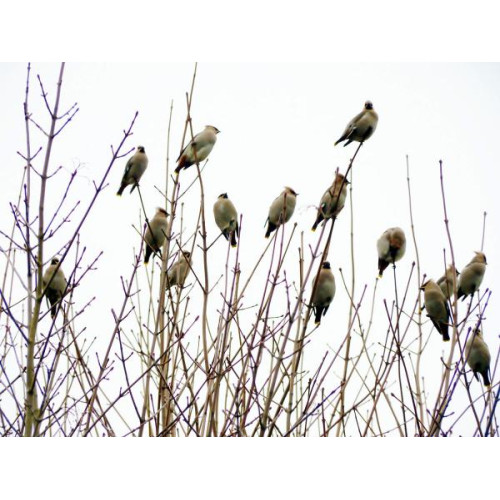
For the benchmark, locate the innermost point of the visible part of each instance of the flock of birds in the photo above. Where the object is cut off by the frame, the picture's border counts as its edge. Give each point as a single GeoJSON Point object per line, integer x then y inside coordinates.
{"type": "Point", "coordinates": [390, 246]}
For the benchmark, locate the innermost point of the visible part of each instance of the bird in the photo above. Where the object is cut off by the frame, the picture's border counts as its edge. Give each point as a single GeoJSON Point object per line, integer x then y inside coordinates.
{"type": "Point", "coordinates": [324, 291]}
{"type": "Point", "coordinates": [177, 274]}
{"type": "Point", "coordinates": [472, 275]}
{"type": "Point", "coordinates": [437, 307]}
{"type": "Point", "coordinates": [226, 218]}
{"type": "Point", "coordinates": [478, 357]}
{"type": "Point", "coordinates": [134, 169]}
{"type": "Point", "coordinates": [391, 247]}
{"type": "Point", "coordinates": [361, 127]}
{"type": "Point", "coordinates": [281, 210]}
{"type": "Point", "coordinates": [333, 200]}
{"type": "Point", "coordinates": [448, 282]}
{"type": "Point", "coordinates": [55, 284]}
{"type": "Point", "coordinates": [155, 233]}
{"type": "Point", "coordinates": [198, 148]}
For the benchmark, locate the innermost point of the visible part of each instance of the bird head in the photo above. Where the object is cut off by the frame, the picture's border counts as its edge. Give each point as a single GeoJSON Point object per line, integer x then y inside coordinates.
{"type": "Point", "coordinates": [368, 105]}
{"type": "Point", "coordinates": [54, 261]}
{"type": "Point", "coordinates": [162, 211]}
{"type": "Point", "coordinates": [424, 284]}
{"type": "Point", "coordinates": [215, 129]}
{"type": "Point", "coordinates": [290, 191]}
{"type": "Point", "coordinates": [223, 196]}
{"type": "Point", "coordinates": [341, 178]}
{"type": "Point", "coordinates": [141, 149]}
{"type": "Point", "coordinates": [326, 265]}
{"type": "Point", "coordinates": [480, 257]}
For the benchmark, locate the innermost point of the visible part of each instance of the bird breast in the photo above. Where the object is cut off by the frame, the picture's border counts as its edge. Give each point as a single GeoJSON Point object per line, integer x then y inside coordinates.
{"type": "Point", "coordinates": [435, 303]}
{"type": "Point", "coordinates": [156, 231]}
{"type": "Point", "coordinates": [325, 290]}
{"type": "Point", "coordinates": [276, 210]}
{"type": "Point", "coordinates": [225, 214]}
{"type": "Point", "coordinates": [478, 354]}
{"type": "Point", "coordinates": [58, 284]}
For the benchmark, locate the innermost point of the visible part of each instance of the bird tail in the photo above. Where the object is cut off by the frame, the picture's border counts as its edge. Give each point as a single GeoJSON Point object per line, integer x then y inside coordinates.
{"type": "Point", "coordinates": [120, 191]}
{"type": "Point", "coordinates": [270, 228]}
{"type": "Point", "coordinates": [182, 164]}
{"type": "Point", "coordinates": [318, 220]}
{"type": "Point", "coordinates": [382, 265]}
{"type": "Point", "coordinates": [486, 378]}
{"type": "Point", "coordinates": [53, 301]}
{"type": "Point", "coordinates": [444, 332]}
{"type": "Point", "coordinates": [147, 254]}
{"type": "Point", "coordinates": [317, 315]}
{"type": "Point", "coordinates": [233, 239]}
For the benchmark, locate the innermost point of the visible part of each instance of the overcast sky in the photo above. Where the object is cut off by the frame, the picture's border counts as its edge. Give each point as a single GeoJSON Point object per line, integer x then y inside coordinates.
{"type": "Point", "coordinates": [278, 123]}
{"type": "Point", "coordinates": [426, 111]}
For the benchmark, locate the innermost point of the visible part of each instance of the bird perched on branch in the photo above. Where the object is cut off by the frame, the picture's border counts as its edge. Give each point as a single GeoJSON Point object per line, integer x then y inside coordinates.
{"type": "Point", "coordinates": [478, 357]}
{"type": "Point", "coordinates": [333, 200]}
{"type": "Point", "coordinates": [155, 233]}
{"type": "Point", "coordinates": [472, 275]}
{"type": "Point", "coordinates": [361, 127]}
{"type": "Point", "coordinates": [135, 167]}
{"type": "Point", "coordinates": [448, 282]}
{"type": "Point", "coordinates": [437, 307]}
{"type": "Point", "coordinates": [391, 247]}
{"type": "Point", "coordinates": [226, 218]}
{"type": "Point", "coordinates": [324, 291]}
{"type": "Point", "coordinates": [177, 274]}
{"type": "Point", "coordinates": [55, 284]}
{"type": "Point", "coordinates": [281, 210]}
{"type": "Point", "coordinates": [198, 149]}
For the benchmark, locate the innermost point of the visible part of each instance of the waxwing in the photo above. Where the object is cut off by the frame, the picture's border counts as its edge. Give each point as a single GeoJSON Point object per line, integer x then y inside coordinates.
{"type": "Point", "coordinates": [448, 282]}
{"type": "Point", "coordinates": [478, 357]}
{"type": "Point", "coordinates": [333, 200]}
{"type": "Point", "coordinates": [155, 233]}
{"type": "Point", "coordinates": [437, 307]}
{"type": "Point", "coordinates": [176, 275]}
{"type": "Point", "coordinates": [361, 127]}
{"type": "Point", "coordinates": [391, 247]}
{"type": "Point", "coordinates": [324, 291]}
{"type": "Point", "coordinates": [226, 218]}
{"type": "Point", "coordinates": [281, 210]}
{"type": "Point", "coordinates": [135, 167]}
{"type": "Point", "coordinates": [472, 275]}
{"type": "Point", "coordinates": [55, 284]}
{"type": "Point", "coordinates": [198, 148]}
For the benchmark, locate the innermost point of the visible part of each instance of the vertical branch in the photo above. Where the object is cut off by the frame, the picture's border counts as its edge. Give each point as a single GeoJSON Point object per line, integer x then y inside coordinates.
{"type": "Point", "coordinates": [443, 396]}
{"type": "Point", "coordinates": [351, 308]}
{"type": "Point", "coordinates": [31, 405]}
{"type": "Point", "coordinates": [419, 312]}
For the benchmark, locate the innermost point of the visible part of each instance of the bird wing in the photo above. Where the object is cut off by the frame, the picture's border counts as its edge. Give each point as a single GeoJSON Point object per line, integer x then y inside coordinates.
{"type": "Point", "coordinates": [128, 166]}
{"type": "Point", "coordinates": [351, 126]}
{"type": "Point", "coordinates": [190, 143]}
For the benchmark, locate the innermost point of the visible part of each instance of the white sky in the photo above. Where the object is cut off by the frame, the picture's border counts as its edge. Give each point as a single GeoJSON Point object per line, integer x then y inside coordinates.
{"type": "Point", "coordinates": [278, 124]}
